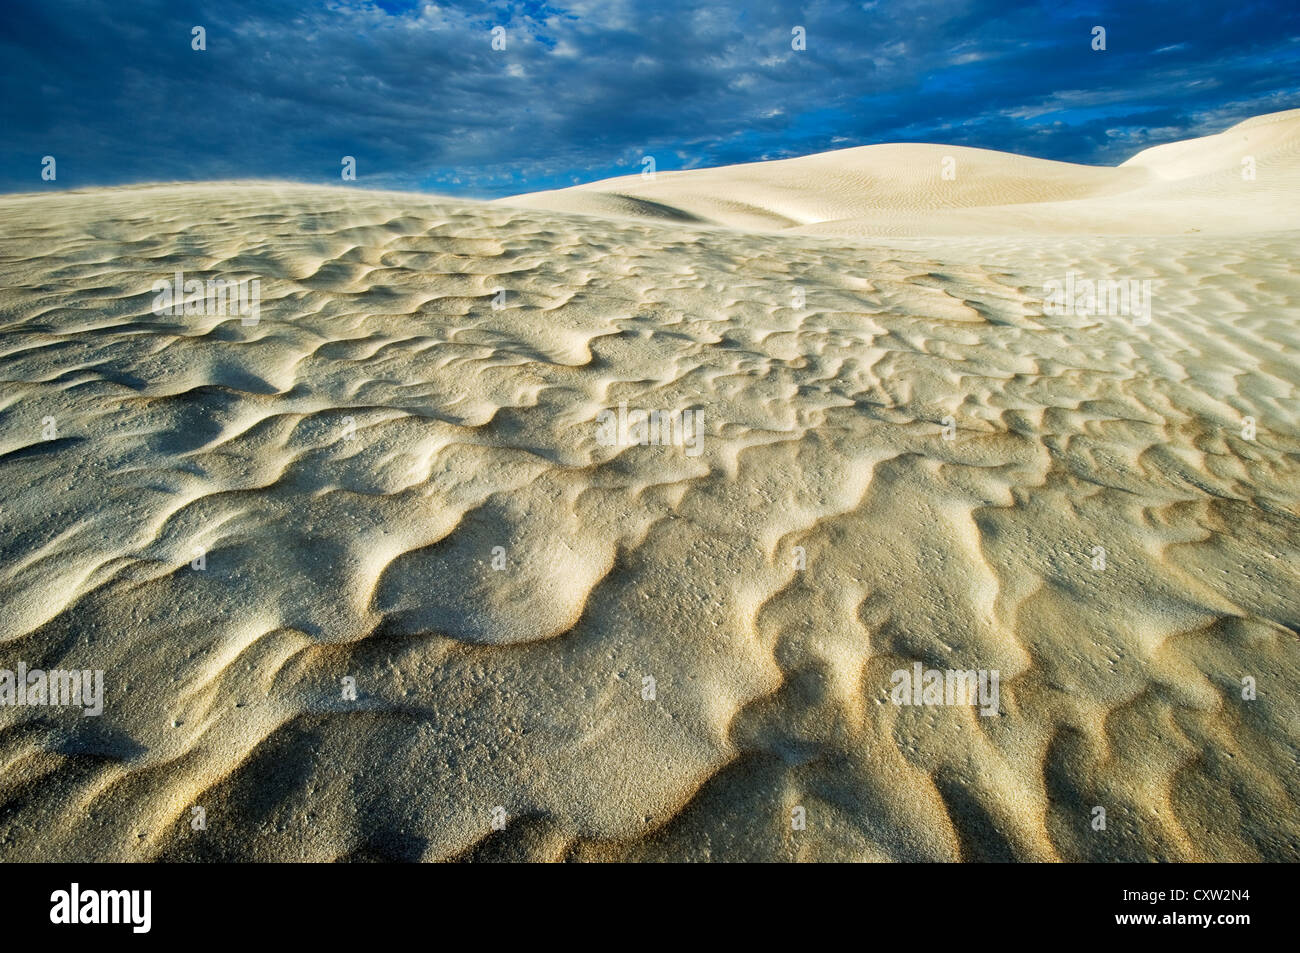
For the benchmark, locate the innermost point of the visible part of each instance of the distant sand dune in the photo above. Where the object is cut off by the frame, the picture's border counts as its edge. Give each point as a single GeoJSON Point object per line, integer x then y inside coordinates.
{"type": "Point", "coordinates": [900, 189]}
{"type": "Point", "coordinates": [350, 463]}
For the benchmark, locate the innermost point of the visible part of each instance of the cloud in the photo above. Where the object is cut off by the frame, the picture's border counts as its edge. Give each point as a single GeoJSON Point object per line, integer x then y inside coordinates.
{"type": "Point", "coordinates": [416, 92]}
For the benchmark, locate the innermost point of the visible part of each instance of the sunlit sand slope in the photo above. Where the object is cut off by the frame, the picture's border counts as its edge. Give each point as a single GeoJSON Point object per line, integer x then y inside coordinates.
{"type": "Point", "coordinates": [1244, 180]}
{"type": "Point", "coordinates": [356, 465]}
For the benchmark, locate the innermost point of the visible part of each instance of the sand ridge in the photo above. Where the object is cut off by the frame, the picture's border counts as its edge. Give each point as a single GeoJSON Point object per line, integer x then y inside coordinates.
{"type": "Point", "coordinates": [351, 464]}
{"type": "Point", "coordinates": [905, 189]}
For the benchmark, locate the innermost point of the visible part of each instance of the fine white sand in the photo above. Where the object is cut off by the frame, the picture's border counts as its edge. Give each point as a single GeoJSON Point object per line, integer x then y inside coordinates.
{"type": "Point", "coordinates": [901, 189]}
{"type": "Point", "coordinates": [350, 464]}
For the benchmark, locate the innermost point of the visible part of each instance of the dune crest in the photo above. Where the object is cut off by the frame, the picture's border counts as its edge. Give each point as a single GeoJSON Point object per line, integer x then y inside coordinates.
{"type": "Point", "coordinates": [908, 189]}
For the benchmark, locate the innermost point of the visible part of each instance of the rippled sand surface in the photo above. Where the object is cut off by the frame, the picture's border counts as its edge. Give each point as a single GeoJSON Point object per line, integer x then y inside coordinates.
{"type": "Point", "coordinates": [350, 464]}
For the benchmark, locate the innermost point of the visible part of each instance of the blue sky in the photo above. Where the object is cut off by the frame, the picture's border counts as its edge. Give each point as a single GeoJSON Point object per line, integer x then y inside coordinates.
{"type": "Point", "coordinates": [416, 93]}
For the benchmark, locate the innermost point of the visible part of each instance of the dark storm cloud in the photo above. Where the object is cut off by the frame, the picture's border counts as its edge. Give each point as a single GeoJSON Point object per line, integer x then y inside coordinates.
{"type": "Point", "coordinates": [416, 93]}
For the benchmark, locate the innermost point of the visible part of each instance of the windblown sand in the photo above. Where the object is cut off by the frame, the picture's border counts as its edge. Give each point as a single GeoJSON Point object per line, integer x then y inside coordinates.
{"type": "Point", "coordinates": [350, 463]}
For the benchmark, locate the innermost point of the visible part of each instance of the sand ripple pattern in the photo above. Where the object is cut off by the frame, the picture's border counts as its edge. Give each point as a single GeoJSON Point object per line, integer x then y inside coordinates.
{"type": "Point", "coordinates": [473, 428]}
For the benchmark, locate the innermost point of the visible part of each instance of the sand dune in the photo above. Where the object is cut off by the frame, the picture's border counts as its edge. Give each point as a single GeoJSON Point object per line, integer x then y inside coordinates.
{"type": "Point", "coordinates": [919, 189]}
{"type": "Point", "coordinates": [902, 459]}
